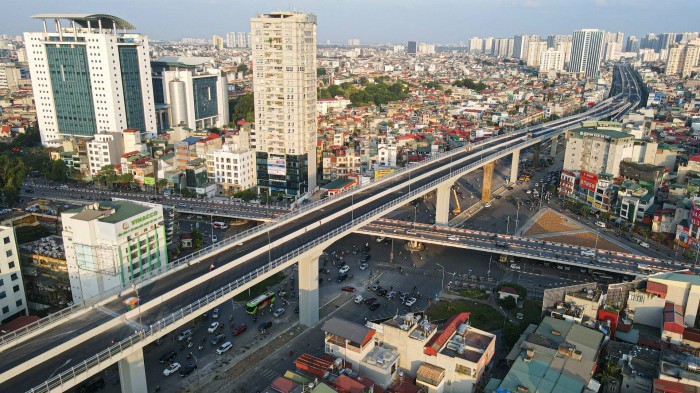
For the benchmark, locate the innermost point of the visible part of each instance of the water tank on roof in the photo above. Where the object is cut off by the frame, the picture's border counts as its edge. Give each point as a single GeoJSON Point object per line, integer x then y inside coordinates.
{"type": "Point", "coordinates": [178, 102]}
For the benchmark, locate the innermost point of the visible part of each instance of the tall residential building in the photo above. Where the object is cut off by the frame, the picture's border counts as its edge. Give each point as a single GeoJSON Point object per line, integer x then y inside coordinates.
{"type": "Point", "coordinates": [217, 42]}
{"type": "Point", "coordinates": [666, 40]}
{"type": "Point", "coordinates": [683, 59]}
{"type": "Point", "coordinates": [10, 76]}
{"type": "Point", "coordinates": [412, 48]}
{"type": "Point", "coordinates": [587, 51]}
{"type": "Point", "coordinates": [552, 60]}
{"type": "Point", "coordinates": [109, 245]}
{"type": "Point", "coordinates": [231, 40]}
{"type": "Point", "coordinates": [12, 298]}
{"type": "Point", "coordinates": [650, 41]}
{"type": "Point", "coordinates": [534, 50]}
{"type": "Point", "coordinates": [284, 80]}
{"type": "Point", "coordinates": [243, 40]}
{"type": "Point", "coordinates": [520, 43]}
{"type": "Point", "coordinates": [190, 90]}
{"type": "Point", "coordinates": [597, 150]}
{"type": "Point", "coordinates": [476, 45]}
{"type": "Point", "coordinates": [354, 42]}
{"type": "Point", "coordinates": [90, 76]}
{"type": "Point", "coordinates": [488, 46]}
{"type": "Point", "coordinates": [632, 44]}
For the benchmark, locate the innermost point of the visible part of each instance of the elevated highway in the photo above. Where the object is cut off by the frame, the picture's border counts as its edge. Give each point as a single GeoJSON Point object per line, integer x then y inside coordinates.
{"type": "Point", "coordinates": [177, 296]}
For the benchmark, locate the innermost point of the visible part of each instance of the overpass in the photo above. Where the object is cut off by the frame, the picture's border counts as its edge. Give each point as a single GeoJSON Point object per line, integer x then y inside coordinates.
{"type": "Point", "coordinates": [520, 246]}
{"type": "Point", "coordinates": [242, 261]}
{"type": "Point", "coordinates": [205, 207]}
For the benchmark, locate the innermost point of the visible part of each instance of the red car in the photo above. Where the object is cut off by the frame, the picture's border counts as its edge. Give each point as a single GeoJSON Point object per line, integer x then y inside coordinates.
{"type": "Point", "coordinates": [239, 329]}
{"type": "Point", "coordinates": [348, 289]}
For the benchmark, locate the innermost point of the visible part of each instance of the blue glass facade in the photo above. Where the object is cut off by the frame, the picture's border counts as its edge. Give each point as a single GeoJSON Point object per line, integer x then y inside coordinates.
{"type": "Point", "coordinates": [72, 90]}
{"type": "Point", "coordinates": [205, 99]}
{"type": "Point", "coordinates": [133, 101]}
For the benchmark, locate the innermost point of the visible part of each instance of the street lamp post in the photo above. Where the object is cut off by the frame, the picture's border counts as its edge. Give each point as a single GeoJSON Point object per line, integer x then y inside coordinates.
{"type": "Point", "coordinates": [488, 273]}
{"type": "Point", "coordinates": [507, 224]}
{"type": "Point", "coordinates": [443, 276]}
{"type": "Point", "coordinates": [415, 213]}
{"type": "Point", "coordinates": [352, 207]}
{"type": "Point", "coordinates": [391, 254]}
{"type": "Point", "coordinates": [269, 252]}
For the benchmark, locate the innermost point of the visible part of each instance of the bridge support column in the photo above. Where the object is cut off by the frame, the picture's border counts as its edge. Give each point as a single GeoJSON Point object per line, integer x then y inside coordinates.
{"type": "Point", "coordinates": [514, 166]}
{"type": "Point", "coordinates": [308, 290]}
{"type": "Point", "coordinates": [536, 154]}
{"type": "Point", "coordinates": [488, 182]}
{"type": "Point", "coordinates": [553, 148]}
{"type": "Point", "coordinates": [442, 204]}
{"type": "Point", "coordinates": [132, 373]}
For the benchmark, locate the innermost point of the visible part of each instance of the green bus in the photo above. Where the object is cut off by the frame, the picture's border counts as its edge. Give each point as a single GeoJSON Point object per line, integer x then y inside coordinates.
{"type": "Point", "coordinates": [260, 302]}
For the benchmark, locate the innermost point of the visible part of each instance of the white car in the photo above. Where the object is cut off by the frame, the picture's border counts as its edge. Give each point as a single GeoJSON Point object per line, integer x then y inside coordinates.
{"type": "Point", "coordinates": [644, 244]}
{"type": "Point", "coordinates": [171, 369]}
{"type": "Point", "coordinates": [411, 232]}
{"type": "Point", "coordinates": [278, 312]}
{"type": "Point", "coordinates": [410, 302]}
{"type": "Point", "coordinates": [344, 269]}
{"type": "Point", "coordinates": [519, 315]}
{"type": "Point", "coordinates": [488, 204]}
{"type": "Point", "coordinates": [528, 192]}
{"type": "Point", "coordinates": [364, 266]}
{"type": "Point", "coordinates": [224, 347]}
{"type": "Point", "coordinates": [380, 239]}
{"type": "Point", "coordinates": [600, 224]}
{"type": "Point", "coordinates": [213, 327]}
{"type": "Point", "coordinates": [588, 253]}
{"type": "Point", "coordinates": [214, 238]}
{"type": "Point", "coordinates": [453, 238]}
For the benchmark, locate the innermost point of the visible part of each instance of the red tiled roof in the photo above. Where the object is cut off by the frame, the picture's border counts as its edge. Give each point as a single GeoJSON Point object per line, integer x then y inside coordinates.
{"type": "Point", "coordinates": [446, 331]}
{"type": "Point", "coordinates": [283, 385]}
{"type": "Point", "coordinates": [508, 290]}
{"type": "Point", "coordinates": [345, 384]}
{"type": "Point", "coordinates": [657, 288]}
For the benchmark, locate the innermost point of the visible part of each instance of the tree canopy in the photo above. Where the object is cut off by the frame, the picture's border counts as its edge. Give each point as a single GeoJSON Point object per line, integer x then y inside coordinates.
{"type": "Point", "coordinates": [470, 84]}
{"type": "Point", "coordinates": [372, 94]}
{"type": "Point", "coordinates": [244, 108]}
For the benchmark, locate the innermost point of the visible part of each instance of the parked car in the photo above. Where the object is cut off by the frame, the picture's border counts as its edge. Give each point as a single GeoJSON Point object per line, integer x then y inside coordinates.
{"type": "Point", "coordinates": [264, 326]}
{"type": "Point", "coordinates": [382, 292]}
{"type": "Point", "coordinates": [371, 300]}
{"type": "Point", "coordinates": [342, 277]}
{"type": "Point", "coordinates": [410, 302]}
{"type": "Point", "coordinates": [600, 224]}
{"type": "Point", "coordinates": [224, 347]}
{"type": "Point", "coordinates": [365, 258]}
{"type": "Point", "coordinates": [358, 299]}
{"type": "Point", "coordinates": [184, 334]}
{"type": "Point", "coordinates": [344, 269]}
{"type": "Point", "coordinates": [374, 306]}
{"type": "Point", "coordinates": [187, 370]}
{"type": "Point", "coordinates": [214, 327]}
{"type": "Point", "coordinates": [347, 288]}
{"type": "Point", "coordinates": [219, 338]}
{"type": "Point", "coordinates": [215, 313]}
{"type": "Point", "coordinates": [278, 312]}
{"type": "Point", "coordinates": [239, 329]}
{"type": "Point", "coordinates": [171, 369]}
{"type": "Point", "coordinates": [168, 357]}
{"type": "Point", "coordinates": [364, 266]}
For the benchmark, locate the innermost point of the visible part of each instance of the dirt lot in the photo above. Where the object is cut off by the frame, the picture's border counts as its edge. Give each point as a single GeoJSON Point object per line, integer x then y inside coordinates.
{"type": "Point", "coordinates": [586, 239]}
{"type": "Point", "coordinates": [551, 222]}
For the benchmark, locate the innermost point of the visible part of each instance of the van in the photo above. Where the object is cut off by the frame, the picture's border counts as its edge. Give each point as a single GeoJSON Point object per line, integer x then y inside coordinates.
{"type": "Point", "coordinates": [358, 299]}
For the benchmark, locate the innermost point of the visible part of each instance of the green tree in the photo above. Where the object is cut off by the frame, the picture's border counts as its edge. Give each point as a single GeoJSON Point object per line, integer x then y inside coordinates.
{"type": "Point", "coordinates": [246, 195]}
{"type": "Point", "coordinates": [244, 108]}
{"type": "Point", "coordinates": [197, 239]}
{"type": "Point", "coordinates": [12, 174]}
{"type": "Point", "coordinates": [58, 171]}
{"type": "Point", "coordinates": [242, 68]}
{"type": "Point", "coordinates": [320, 72]}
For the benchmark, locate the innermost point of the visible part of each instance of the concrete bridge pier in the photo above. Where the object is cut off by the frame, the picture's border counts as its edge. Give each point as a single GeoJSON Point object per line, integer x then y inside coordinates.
{"type": "Point", "coordinates": [487, 183]}
{"type": "Point", "coordinates": [308, 289]}
{"type": "Point", "coordinates": [514, 166]}
{"type": "Point", "coordinates": [553, 148]}
{"type": "Point", "coordinates": [132, 373]}
{"type": "Point", "coordinates": [442, 203]}
{"type": "Point", "coordinates": [536, 154]}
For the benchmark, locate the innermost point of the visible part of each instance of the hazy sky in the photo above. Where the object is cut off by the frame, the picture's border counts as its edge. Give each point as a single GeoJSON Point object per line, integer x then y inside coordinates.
{"type": "Point", "coordinates": [376, 21]}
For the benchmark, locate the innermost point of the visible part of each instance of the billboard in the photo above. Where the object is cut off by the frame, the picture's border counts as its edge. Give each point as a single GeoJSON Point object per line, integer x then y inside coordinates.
{"type": "Point", "coordinates": [149, 181]}
{"type": "Point", "coordinates": [276, 166]}
{"type": "Point", "coordinates": [588, 180]}
{"type": "Point", "coordinates": [695, 215]}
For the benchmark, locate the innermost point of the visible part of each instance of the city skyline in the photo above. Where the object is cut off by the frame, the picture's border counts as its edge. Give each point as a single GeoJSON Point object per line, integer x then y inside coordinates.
{"type": "Point", "coordinates": [389, 21]}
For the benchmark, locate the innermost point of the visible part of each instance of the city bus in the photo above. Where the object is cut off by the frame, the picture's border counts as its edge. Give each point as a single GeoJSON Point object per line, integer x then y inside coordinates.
{"type": "Point", "coordinates": [260, 302]}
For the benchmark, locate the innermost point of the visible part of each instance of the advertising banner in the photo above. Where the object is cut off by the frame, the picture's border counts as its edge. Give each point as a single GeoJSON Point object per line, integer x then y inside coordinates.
{"type": "Point", "coordinates": [588, 180]}
{"type": "Point", "coordinates": [276, 166]}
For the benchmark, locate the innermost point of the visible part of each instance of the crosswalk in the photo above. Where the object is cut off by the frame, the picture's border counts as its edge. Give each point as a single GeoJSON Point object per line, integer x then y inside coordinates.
{"type": "Point", "coordinates": [265, 373]}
